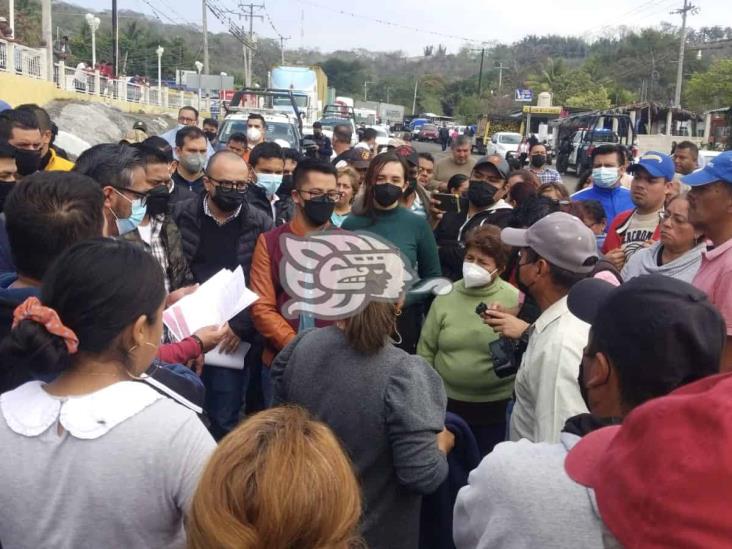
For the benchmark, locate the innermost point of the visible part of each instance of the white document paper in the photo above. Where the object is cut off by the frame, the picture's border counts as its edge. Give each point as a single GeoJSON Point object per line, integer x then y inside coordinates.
{"type": "Point", "coordinates": [234, 361]}
{"type": "Point", "coordinates": [216, 301]}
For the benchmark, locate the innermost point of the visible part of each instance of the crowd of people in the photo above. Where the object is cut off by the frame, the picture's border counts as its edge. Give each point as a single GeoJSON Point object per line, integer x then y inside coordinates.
{"type": "Point", "coordinates": [568, 390]}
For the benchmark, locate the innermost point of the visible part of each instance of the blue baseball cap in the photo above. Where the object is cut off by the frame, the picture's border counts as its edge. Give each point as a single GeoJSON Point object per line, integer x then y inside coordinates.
{"type": "Point", "coordinates": [718, 168]}
{"type": "Point", "coordinates": [657, 164]}
{"type": "Point", "coordinates": [4, 106]}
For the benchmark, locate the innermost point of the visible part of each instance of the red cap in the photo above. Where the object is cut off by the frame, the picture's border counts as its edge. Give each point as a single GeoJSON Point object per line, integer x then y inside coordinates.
{"type": "Point", "coordinates": [664, 478]}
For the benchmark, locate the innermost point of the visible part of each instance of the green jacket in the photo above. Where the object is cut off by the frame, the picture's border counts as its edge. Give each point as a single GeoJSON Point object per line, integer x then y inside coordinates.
{"type": "Point", "coordinates": [455, 342]}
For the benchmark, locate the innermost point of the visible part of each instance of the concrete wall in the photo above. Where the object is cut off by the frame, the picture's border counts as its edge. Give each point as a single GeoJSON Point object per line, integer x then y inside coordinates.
{"type": "Point", "coordinates": [662, 143]}
{"type": "Point", "coordinates": [17, 89]}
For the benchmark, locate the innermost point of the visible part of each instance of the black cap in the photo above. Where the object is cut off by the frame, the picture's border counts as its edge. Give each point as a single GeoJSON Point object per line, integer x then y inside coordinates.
{"type": "Point", "coordinates": [140, 126]}
{"type": "Point", "coordinates": [656, 323]}
{"type": "Point", "coordinates": [409, 154]}
{"type": "Point", "coordinates": [317, 125]}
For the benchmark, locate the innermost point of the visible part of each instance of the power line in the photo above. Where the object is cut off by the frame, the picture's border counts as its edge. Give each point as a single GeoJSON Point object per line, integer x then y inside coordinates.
{"type": "Point", "coordinates": [395, 25]}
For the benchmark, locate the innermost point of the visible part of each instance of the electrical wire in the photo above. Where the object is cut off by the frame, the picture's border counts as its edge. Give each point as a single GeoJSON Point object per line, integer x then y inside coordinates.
{"type": "Point", "coordinates": [393, 24]}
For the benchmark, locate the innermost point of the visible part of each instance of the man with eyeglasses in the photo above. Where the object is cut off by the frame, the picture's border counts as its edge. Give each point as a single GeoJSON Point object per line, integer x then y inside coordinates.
{"type": "Point", "coordinates": [634, 229]}
{"type": "Point", "coordinates": [483, 205]}
{"type": "Point", "coordinates": [121, 174]}
{"type": "Point", "coordinates": [219, 231]}
{"type": "Point", "coordinates": [187, 116]}
{"type": "Point", "coordinates": [157, 231]}
{"type": "Point", "coordinates": [315, 195]}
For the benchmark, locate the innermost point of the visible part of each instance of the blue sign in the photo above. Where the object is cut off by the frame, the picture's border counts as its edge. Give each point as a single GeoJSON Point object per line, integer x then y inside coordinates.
{"type": "Point", "coordinates": [524, 95]}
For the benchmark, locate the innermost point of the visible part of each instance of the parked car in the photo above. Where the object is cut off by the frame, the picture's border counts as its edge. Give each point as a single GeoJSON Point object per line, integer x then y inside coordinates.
{"type": "Point", "coordinates": [428, 132]}
{"type": "Point", "coordinates": [382, 138]}
{"type": "Point", "coordinates": [504, 144]}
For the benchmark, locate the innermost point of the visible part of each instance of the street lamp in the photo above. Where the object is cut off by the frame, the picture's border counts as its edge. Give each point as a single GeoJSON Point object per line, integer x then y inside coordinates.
{"type": "Point", "coordinates": [160, 51]}
{"type": "Point", "coordinates": [199, 67]}
{"type": "Point", "coordinates": [93, 23]}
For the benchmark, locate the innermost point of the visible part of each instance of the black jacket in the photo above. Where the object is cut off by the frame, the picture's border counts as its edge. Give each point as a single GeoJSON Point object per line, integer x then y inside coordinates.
{"type": "Point", "coordinates": [252, 222]}
{"type": "Point", "coordinates": [284, 207]}
{"type": "Point", "coordinates": [451, 241]}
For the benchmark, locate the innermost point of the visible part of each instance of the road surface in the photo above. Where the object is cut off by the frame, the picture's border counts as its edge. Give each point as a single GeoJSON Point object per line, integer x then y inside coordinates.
{"type": "Point", "coordinates": [570, 180]}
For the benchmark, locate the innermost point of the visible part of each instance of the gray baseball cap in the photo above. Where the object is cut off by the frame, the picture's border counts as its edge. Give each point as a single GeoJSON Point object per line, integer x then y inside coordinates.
{"type": "Point", "coordinates": [497, 162]}
{"type": "Point", "coordinates": [562, 239]}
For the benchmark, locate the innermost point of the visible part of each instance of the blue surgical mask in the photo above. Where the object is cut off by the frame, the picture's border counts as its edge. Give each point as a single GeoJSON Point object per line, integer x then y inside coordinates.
{"type": "Point", "coordinates": [129, 224]}
{"type": "Point", "coordinates": [270, 182]}
{"type": "Point", "coordinates": [605, 177]}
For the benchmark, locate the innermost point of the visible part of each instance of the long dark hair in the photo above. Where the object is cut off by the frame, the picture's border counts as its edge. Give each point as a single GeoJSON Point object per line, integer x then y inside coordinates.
{"type": "Point", "coordinates": [98, 288]}
{"type": "Point", "coordinates": [375, 167]}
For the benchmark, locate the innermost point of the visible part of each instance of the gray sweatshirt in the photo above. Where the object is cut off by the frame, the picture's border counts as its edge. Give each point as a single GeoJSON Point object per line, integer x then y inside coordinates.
{"type": "Point", "coordinates": [520, 497]}
{"type": "Point", "coordinates": [645, 261]}
{"type": "Point", "coordinates": [386, 409]}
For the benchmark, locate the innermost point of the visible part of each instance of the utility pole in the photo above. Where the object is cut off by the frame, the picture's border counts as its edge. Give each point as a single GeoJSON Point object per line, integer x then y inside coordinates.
{"type": "Point", "coordinates": [414, 101]}
{"type": "Point", "coordinates": [11, 17]}
{"type": "Point", "coordinates": [283, 39]}
{"type": "Point", "coordinates": [366, 90]}
{"type": "Point", "coordinates": [115, 38]}
{"type": "Point", "coordinates": [500, 68]}
{"type": "Point", "coordinates": [250, 50]}
{"type": "Point", "coordinates": [204, 24]}
{"type": "Point", "coordinates": [688, 7]}
{"type": "Point", "coordinates": [47, 29]}
{"type": "Point", "coordinates": [480, 74]}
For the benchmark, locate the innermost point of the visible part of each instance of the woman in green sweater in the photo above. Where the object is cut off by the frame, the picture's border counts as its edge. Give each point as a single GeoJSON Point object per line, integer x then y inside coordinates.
{"type": "Point", "coordinates": [455, 341]}
{"type": "Point", "coordinates": [378, 211]}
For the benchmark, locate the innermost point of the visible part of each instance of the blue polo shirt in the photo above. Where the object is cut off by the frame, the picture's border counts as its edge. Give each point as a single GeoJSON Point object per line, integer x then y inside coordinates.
{"type": "Point", "coordinates": [613, 200]}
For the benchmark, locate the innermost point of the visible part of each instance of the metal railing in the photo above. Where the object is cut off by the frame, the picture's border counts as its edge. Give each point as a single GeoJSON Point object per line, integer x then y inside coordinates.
{"type": "Point", "coordinates": [30, 62]}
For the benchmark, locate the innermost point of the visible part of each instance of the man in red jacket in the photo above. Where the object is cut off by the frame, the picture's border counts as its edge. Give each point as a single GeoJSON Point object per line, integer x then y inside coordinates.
{"type": "Point", "coordinates": [632, 229]}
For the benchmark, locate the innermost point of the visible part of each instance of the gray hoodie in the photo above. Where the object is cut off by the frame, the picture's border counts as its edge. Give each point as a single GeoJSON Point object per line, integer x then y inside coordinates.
{"type": "Point", "coordinates": [645, 261]}
{"type": "Point", "coordinates": [519, 497]}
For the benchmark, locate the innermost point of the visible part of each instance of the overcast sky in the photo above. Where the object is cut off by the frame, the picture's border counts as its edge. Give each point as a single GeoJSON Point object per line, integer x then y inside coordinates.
{"type": "Point", "coordinates": [432, 21]}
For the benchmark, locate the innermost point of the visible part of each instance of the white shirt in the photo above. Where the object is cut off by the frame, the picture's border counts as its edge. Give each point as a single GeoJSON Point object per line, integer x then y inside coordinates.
{"type": "Point", "coordinates": [547, 390]}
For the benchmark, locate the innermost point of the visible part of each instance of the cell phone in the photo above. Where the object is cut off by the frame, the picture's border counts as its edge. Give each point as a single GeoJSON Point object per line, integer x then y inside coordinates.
{"type": "Point", "coordinates": [448, 202]}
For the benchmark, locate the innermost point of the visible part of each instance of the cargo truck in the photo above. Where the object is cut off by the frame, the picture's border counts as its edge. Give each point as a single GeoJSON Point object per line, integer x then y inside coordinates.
{"type": "Point", "coordinates": [309, 86]}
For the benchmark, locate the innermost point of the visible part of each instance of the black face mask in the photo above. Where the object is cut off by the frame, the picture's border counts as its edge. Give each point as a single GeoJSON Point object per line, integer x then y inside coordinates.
{"type": "Point", "coordinates": [318, 210]}
{"type": "Point", "coordinates": [538, 160]}
{"type": "Point", "coordinates": [481, 194]}
{"type": "Point", "coordinates": [5, 188]}
{"type": "Point", "coordinates": [210, 135]}
{"type": "Point", "coordinates": [386, 194]}
{"type": "Point", "coordinates": [526, 290]}
{"type": "Point", "coordinates": [157, 200]}
{"type": "Point", "coordinates": [285, 188]}
{"type": "Point", "coordinates": [27, 161]}
{"type": "Point", "coordinates": [227, 199]}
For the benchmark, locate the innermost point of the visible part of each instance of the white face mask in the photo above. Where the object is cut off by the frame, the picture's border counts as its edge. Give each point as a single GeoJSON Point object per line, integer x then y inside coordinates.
{"type": "Point", "coordinates": [475, 276]}
{"type": "Point", "coordinates": [254, 134]}
{"type": "Point", "coordinates": [605, 177]}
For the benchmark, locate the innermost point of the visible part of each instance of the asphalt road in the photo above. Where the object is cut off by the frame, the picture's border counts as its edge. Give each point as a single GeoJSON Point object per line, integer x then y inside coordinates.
{"type": "Point", "coordinates": [570, 180]}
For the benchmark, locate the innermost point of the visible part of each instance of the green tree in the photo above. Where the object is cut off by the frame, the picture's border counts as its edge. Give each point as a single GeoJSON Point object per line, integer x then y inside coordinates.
{"type": "Point", "coordinates": [712, 88]}
{"type": "Point", "coordinates": [594, 98]}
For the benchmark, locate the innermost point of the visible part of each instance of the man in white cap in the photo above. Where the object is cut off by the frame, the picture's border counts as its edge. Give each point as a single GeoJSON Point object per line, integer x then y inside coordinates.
{"type": "Point", "coordinates": [555, 253]}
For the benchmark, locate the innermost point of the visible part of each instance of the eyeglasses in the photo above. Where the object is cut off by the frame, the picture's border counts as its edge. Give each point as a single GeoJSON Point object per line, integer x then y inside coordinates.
{"type": "Point", "coordinates": [333, 196]}
{"type": "Point", "coordinates": [229, 185]}
{"type": "Point", "coordinates": [677, 219]}
{"type": "Point", "coordinates": [184, 120]}
{"type": "Point", "coordinates": [142, 197]}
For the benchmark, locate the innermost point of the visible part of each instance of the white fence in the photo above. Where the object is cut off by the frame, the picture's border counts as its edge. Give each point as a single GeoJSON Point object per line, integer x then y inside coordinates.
{"type": "Point", "coordinates": [30, 62]}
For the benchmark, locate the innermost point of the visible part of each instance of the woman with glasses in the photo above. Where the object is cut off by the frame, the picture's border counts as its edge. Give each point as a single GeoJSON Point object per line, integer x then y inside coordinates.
{"type": "Point", "coordinates": [677, 254]}
{"type": "Point", "coordinates": [385, 182]}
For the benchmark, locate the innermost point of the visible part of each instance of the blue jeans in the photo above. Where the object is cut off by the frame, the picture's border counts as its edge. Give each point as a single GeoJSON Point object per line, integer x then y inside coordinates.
{"type": "Point", "coordinates": [226, 391]}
